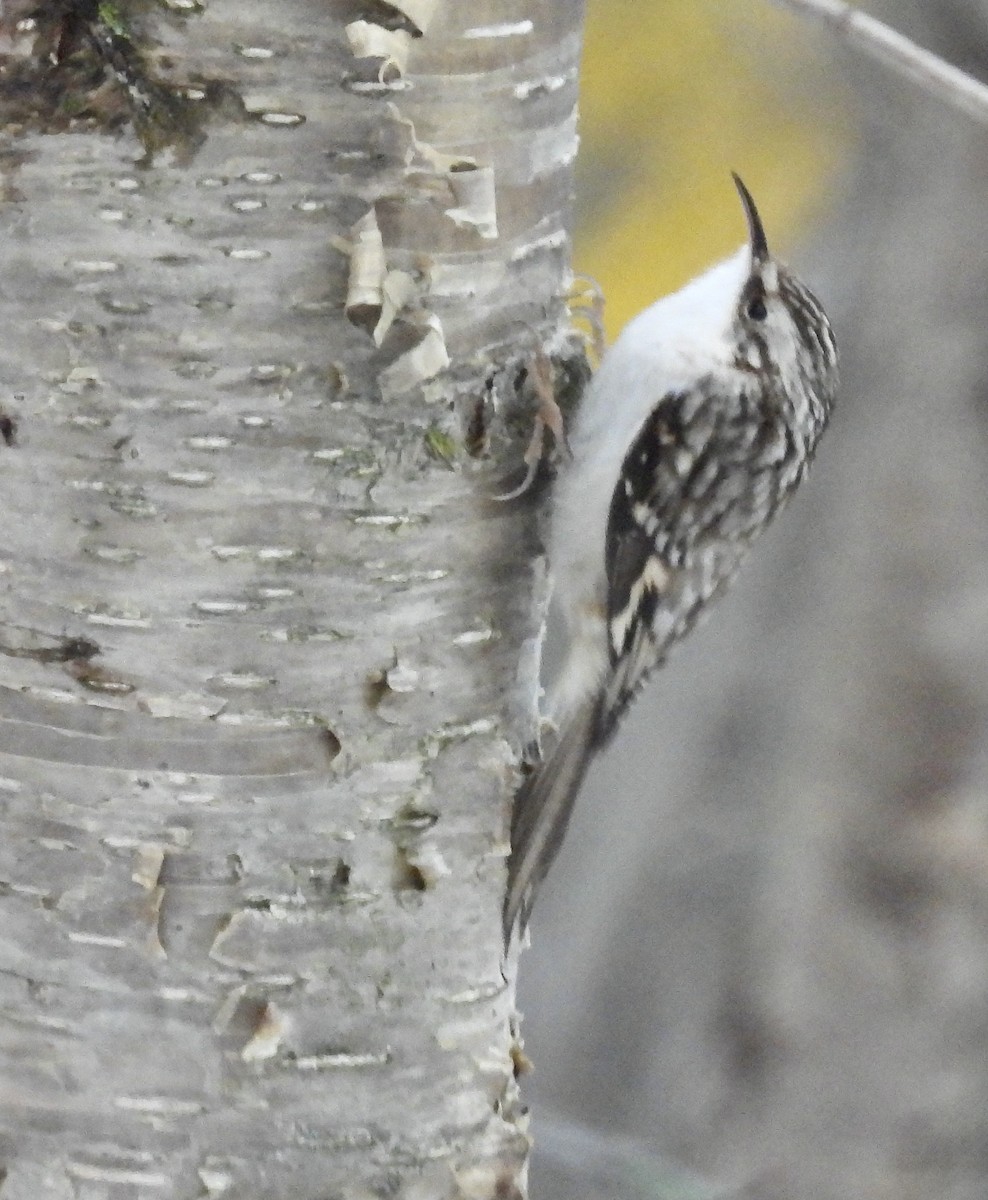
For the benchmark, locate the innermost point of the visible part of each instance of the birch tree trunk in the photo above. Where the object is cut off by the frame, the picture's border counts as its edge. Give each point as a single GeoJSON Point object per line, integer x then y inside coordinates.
{"type": "Point", "coordinates": [259, 626]}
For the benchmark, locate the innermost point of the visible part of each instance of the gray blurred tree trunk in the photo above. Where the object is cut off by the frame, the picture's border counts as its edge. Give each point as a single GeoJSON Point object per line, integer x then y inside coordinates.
{"type": "Point", "coordinates": [764, 950]}
{"type": "Point", "coordinates": [259, 628]}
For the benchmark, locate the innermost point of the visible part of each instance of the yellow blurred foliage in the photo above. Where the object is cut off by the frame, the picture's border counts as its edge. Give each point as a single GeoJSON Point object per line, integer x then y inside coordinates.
{"type": "Point", "coordinates": [675, 94]}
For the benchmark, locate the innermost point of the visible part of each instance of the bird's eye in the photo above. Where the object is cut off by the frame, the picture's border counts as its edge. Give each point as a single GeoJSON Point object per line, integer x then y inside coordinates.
{"type": "Point", "coordinates": [756, 309]}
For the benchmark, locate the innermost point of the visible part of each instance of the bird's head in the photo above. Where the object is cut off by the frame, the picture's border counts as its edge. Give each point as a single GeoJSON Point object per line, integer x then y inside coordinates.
{"type": "Point", "coordinates": [779, 325]}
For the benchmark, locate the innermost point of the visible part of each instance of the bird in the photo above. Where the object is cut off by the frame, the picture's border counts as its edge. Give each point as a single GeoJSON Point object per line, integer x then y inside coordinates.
{"type": "Point", "coordinates": [696, 429]}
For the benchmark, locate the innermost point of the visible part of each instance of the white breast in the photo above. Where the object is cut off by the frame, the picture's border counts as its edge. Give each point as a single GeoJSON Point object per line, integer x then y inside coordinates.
{"type": "Point", "coordinates": [666, 348]}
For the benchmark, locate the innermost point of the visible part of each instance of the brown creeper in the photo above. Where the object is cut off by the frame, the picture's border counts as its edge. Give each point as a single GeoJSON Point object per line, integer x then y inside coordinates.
{"type": "Point", "coordinates": [696, 429]}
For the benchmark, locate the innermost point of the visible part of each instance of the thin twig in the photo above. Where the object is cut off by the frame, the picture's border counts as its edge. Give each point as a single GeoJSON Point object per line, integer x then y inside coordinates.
{"type": "Point", "coordinates": [872, 37]}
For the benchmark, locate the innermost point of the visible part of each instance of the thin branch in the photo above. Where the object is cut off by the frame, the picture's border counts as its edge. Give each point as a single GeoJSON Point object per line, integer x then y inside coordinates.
{"type": "Point", "coordinates": [872, 37]}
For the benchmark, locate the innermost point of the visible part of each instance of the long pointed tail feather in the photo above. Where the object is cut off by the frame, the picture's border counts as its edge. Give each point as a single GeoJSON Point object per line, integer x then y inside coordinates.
{"type": "Point", "coordinates": [542, 810]}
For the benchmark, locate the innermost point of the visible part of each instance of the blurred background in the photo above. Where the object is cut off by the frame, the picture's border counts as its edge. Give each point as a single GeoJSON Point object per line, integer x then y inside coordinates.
{"type": "Point", "coordinates": [759, 968]}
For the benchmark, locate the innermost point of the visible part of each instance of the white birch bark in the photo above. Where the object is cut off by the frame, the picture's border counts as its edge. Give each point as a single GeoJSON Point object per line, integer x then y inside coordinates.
{"type": "Point", "coordinates": [259, 626]}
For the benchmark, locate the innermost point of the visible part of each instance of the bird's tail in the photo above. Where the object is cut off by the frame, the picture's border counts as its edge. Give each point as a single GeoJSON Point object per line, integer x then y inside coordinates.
{"type": "Point", "coordinates": [542, 809]}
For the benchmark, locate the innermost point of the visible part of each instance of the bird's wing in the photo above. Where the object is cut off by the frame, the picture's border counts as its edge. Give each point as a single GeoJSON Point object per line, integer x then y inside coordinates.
{"type": "Point", "coordinates": [644, 554]}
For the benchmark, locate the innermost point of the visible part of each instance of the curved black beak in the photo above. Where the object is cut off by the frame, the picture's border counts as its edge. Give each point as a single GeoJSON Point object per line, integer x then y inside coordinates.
{"type": "Point", "coordinates": [756, 231]}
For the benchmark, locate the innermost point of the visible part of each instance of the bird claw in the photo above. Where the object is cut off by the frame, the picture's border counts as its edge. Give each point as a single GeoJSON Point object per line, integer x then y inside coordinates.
{"type": "Point", "coordinates": [586, 304]}
{"type": "Point", "coordinates": [548, 416]}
